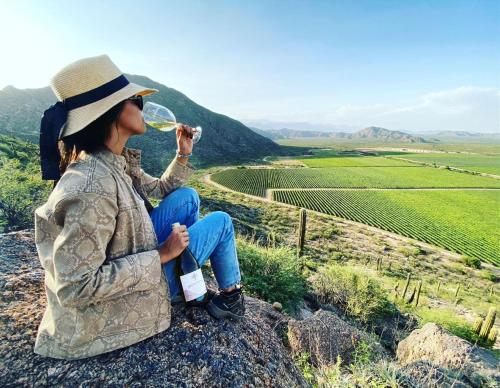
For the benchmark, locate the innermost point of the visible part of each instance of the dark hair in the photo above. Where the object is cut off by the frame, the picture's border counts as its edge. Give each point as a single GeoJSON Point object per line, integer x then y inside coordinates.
{"type": "Point", "coordinates": [89, 139]}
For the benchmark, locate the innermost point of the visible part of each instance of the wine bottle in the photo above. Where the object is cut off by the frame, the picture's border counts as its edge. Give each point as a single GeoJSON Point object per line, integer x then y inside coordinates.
{"type": "Point", "coordinates": [189, 273]}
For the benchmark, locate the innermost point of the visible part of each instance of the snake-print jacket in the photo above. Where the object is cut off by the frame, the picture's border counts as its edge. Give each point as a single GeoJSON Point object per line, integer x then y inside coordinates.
{"type": "Point", "coordinates": [95, 240]}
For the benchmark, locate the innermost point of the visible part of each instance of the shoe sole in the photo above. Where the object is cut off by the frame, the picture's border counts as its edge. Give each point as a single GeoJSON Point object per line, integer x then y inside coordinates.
{"type": "Point", "coordinates": [219, 313]}
{"type": "Point", "coordinates": [179, 300]}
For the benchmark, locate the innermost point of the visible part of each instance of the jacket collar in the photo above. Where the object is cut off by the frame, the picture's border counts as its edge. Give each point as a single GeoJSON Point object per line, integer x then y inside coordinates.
{"type": "Point", "coordinates": [128, 161]}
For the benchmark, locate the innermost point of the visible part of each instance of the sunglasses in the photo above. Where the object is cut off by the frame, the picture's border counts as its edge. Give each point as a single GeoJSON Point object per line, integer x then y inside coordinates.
{"type": "Point", "coordinates": [137, 100]}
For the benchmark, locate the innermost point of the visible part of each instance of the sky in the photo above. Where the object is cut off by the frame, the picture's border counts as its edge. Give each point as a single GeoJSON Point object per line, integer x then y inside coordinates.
{"type": "Point", "coordinates": [403, 65]}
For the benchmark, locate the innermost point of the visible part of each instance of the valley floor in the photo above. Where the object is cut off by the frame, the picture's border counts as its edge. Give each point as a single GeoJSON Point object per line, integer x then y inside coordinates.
{"type": "Point", "coordinates": [330, 238]}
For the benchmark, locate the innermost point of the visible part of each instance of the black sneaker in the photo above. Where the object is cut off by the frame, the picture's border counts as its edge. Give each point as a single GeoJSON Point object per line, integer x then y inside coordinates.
{"type": "Point", "coordinates": [198, 303]}
{"type": "Point", "coordinates": [178, 299]}
{"type": "Point", "coordinates": [228, 304]}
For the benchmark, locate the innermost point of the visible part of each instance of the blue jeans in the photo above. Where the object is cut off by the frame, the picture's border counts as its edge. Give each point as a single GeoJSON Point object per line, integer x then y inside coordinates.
{"type": "Point", "coordinates": [212, 236]}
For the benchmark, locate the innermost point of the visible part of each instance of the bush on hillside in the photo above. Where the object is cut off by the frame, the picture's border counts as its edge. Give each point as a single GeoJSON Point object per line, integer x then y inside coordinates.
{"type": "Point", "coordinates": [21, 192]}
{"type": "Point", "coordinates": [272, 274]}
{"type": "Point", "coordinates": [357, 293]}
{"type": "Point", "coordinates": [472, 262]}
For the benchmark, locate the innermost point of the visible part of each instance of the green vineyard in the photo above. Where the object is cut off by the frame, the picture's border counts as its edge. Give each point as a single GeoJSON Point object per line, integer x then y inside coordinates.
{"type": "Point", "coordinates": [257, 181]}
{"type": "Point", "coordinates": [480, 163]}
{"type": "Point", "coordinates": [457, 220]}
{"type": "Point", "coordinates": [360, 161]}
{"type": "Point", "coordinates": [464, 219]}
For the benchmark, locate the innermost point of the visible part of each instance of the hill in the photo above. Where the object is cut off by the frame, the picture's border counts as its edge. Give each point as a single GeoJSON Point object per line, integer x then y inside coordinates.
{"type": "Point", "coordinates": [15, 148]}
{"type": "Point", "coordinates": [21, 109]}
{"type": "Point", "coordinates": [287, 133]}
{"type": "Point", "coordinates": [224, 140]}
{"type": "Point", "coordinates": [464, 134]}
{"type": "Point", "coordinates": [386, 135]}
{"type": "Point", "coordinates": [369, 133]}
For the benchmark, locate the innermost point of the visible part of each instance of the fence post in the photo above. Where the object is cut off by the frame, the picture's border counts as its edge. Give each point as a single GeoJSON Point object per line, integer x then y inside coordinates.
{"type": "Point", "coordinates": [412, 295]}
{"type": "Point", "coordinates": [302, 231]}
{"type": "Point", "coordinates": [419, 286]}
{"type": "Point", "coordinates": [396, 287]}
{"type": "Point", "coordinates": [406, 285]}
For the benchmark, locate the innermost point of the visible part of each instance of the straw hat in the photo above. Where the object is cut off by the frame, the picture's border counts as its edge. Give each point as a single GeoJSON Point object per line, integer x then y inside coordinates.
{"type": "Point", "coordinates": [86, 89]}
{"type": "Point", "coordinates": [86, 76]}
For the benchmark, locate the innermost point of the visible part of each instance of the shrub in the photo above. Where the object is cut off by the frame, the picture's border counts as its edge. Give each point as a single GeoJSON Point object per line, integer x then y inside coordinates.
{"type": "Point", "coordinates": [272, 274]}
{"type": "Point", "coordinates": [21, 192]}
{"type": "Point", "coordinates": [448, 318]}
{"type": "Point", "coordinates": [457, 268]}
{"type": "Point", "coordinates": [488, 275]}
{"type": "Point", "coordinates": [472, 262]}
{"type": "Point", "coordinates": [357, 293]}
{"type": "Point", "coordinates": [410, 252]}
{"type": "Point", "coordinates": [361, 373]}
{"type": "Point", "coordinates": [338, 256]}
{"type": "Point", "coordinates": [404, 251]}
{"type": "Point", "coordinates": [329, 232]}
{"type": "Point", "coordinates": [302, 361]}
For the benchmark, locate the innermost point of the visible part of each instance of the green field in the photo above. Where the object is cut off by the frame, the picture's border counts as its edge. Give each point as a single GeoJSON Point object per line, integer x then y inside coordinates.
{"type": "Point", "coordinates": [256, 181]}
{"type": "Point", "coordinates": [482, 163]}
{"type": "Point", "coordinates": [360, 161]}
{"type": "Point", "coordinates": [482, 145]}
{"type": "Point", "coordinates": [391, 194]}
{"type": "Point", "coordinates": [464, 221]}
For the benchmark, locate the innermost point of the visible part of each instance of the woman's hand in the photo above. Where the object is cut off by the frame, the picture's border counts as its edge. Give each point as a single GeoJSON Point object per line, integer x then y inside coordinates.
{"type": "Point", "coordinates": [184, 138]}
{"type": "Point", "coordinates": [176, 242]}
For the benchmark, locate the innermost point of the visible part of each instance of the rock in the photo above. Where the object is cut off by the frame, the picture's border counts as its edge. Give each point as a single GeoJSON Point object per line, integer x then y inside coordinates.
{"type": "Point", "coordinates": [196, 350]}
{"type": "Point", "coordinates": [435, 344]}
{"type": "Point", "coordinates": [304, 313]}
{"type": "Point", "coordinates": [277, 306]}
{"type": "Point", "coordinates": [324, 336]}
{"type": "Point", "coordinates": [425, 374]}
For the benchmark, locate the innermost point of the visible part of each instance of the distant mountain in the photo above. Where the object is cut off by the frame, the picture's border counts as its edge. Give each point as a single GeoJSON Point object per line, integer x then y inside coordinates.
{"type": "Point", "coordinates": [369, 133]}
{"type": "Point", "coordinates": [269, 133]}
{"type": "Point", "coordinates": [224, 140]}
{"type": "Point", "coordinates": [287, 133]}
{"type": "Point", "coordinates": [298, 125]}
{"type": "Point", "coordinates": [21, 110]}
{"type": "Point", "coordinates": [461, 134]}
{"type": "Point", "coordinates": [386, 135]}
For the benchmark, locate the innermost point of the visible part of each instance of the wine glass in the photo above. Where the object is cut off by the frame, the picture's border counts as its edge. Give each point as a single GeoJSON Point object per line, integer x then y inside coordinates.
{"type": "Point", "coordinates": [163, 119]}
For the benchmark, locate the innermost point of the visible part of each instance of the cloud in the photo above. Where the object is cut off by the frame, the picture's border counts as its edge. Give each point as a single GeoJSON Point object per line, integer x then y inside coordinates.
{"type": "Point", "coordinates": [465, 108]}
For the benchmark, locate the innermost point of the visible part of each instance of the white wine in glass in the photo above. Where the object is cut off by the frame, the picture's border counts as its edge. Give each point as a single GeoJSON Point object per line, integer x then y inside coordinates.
{"type": "Point", "coordinates": [163, 119]}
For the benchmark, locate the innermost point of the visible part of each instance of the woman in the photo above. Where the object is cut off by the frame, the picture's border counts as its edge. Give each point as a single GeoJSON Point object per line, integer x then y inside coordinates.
{"type": "Point", "coordinates": [108, 255]}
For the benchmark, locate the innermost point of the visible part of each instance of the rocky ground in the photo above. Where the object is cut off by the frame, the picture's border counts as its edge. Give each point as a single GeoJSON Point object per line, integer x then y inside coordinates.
{"type": "Point", "coordinates": [198, 350]}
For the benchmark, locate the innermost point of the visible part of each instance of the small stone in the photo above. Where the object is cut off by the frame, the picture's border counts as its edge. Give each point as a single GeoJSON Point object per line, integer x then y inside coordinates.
{"type": "Point", "coordinates": [51, 372]}
{"type": "Point", "coordinates": [278, 306]}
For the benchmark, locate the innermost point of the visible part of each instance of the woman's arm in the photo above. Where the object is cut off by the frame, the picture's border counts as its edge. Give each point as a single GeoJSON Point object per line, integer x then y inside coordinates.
{"type": "Point", "coordinates": [82, 275]}
{"type": "Point", "coordinates": [176, 175]}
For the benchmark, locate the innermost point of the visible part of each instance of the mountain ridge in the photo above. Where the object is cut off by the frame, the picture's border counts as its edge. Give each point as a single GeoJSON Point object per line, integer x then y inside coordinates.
{"type": "Point", "coordinates": [370, 133]}
{"type": "Point", "coordinates": [225, 140]}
